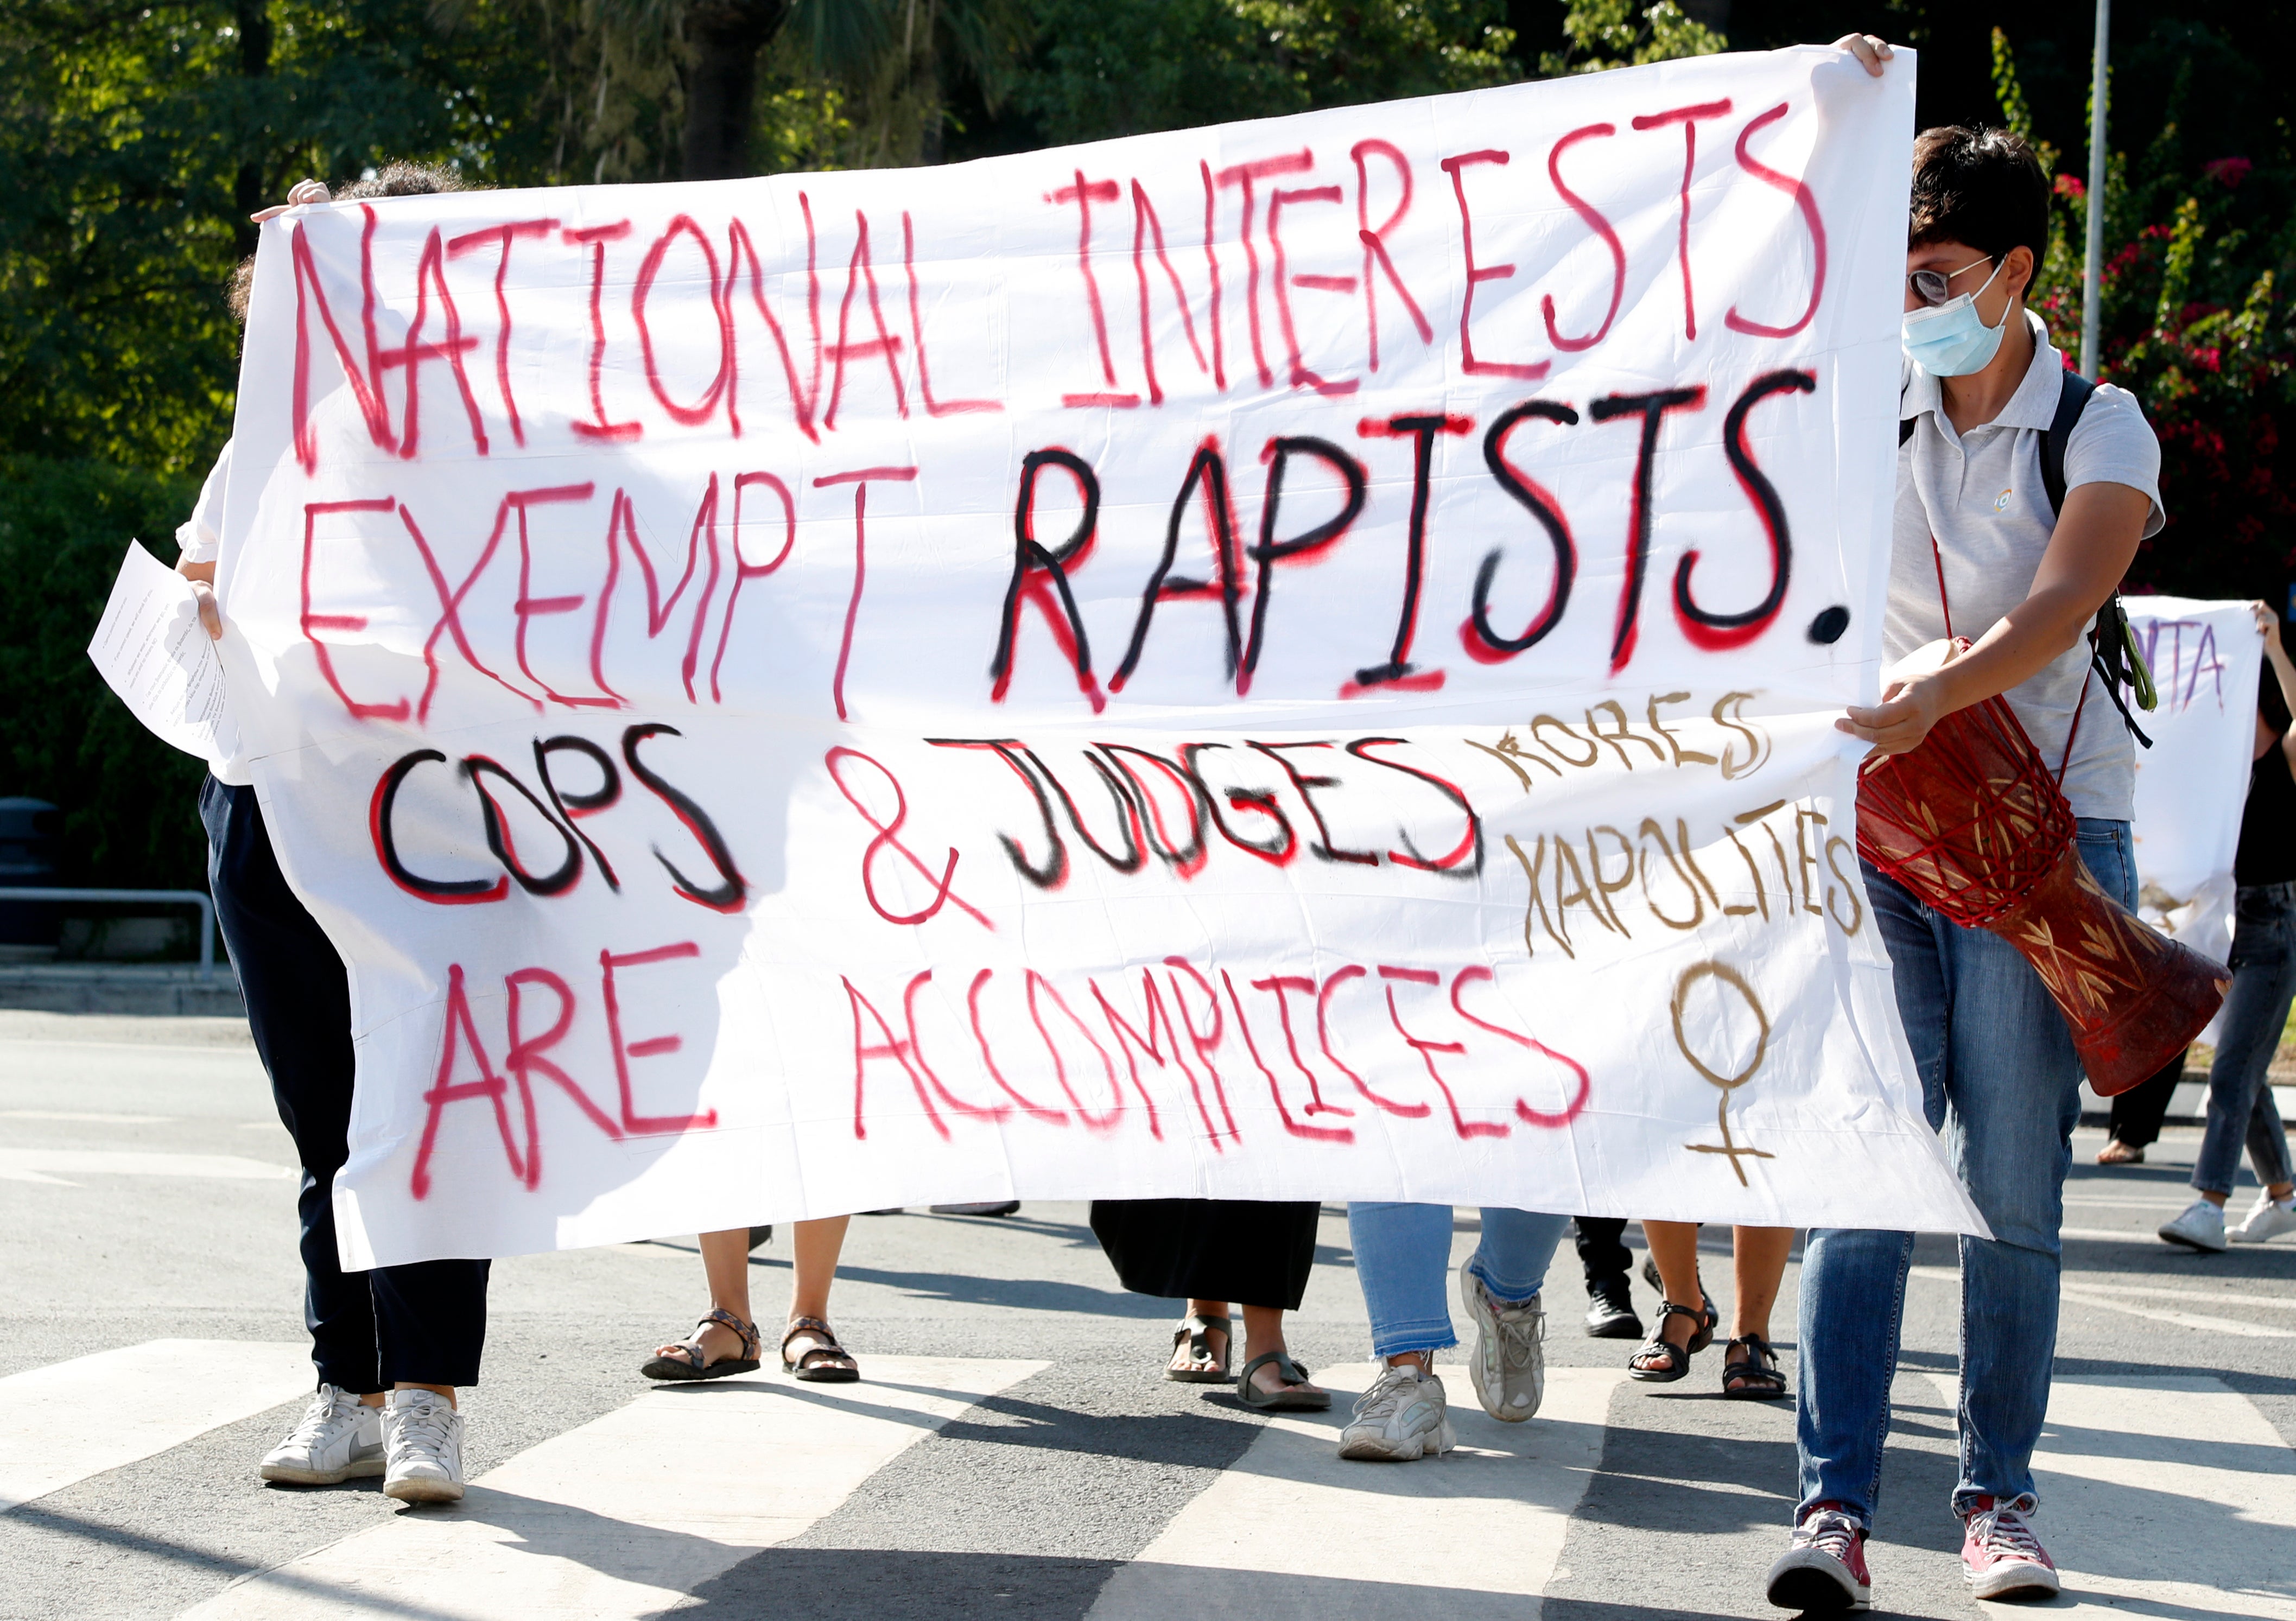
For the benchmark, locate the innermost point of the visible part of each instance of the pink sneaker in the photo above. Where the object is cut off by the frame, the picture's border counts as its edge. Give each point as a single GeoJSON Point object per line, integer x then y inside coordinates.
{"type": "Point", "coordinates": [2001, 1556]}
{"type": "Point", "coordinates": [1823, 1572]}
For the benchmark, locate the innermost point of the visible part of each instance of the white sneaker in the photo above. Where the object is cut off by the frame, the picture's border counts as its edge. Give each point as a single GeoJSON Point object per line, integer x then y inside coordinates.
{"type": "Point", "coordinates": [423, 1439]}
{"type": "Point", "coordinates": [1509, 1365]}
{"type": "Point", "coordinates": [2270, 1218]}
{"type": "Point", "coordinates": [337, 1439]}
{"type": "Point", "coordinates": [2200, 1227]}
{"type": "Point", "coordinates": [1401, 1417]}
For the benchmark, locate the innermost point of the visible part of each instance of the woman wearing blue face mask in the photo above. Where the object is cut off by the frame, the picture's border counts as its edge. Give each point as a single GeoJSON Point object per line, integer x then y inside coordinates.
{"type": "Point", "coordinates": [1988, 546]}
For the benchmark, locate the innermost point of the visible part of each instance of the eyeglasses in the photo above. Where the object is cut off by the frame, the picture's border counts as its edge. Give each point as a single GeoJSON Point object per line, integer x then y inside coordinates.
{"type": "Point", "coordinates": [1933, 287]}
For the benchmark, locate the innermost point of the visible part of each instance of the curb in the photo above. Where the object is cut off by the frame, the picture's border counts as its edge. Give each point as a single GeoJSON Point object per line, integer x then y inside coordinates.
{"type": "Point", "coordinates": [161, 990]}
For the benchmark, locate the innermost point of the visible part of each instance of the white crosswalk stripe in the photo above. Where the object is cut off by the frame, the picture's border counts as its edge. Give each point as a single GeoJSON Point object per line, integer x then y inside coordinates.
{"type": "Point", "coordinates": [76, 1418]}
{"type": "Point", "coordinates": [1292, 1529]}
{"type": "Point", "coordinates": [2161, 1495]}
{"type": "Point", "coordinates": [51, 1164]}
{"type": "Point", "coordinates": [624, 1516]}
{"type": "Point", "coordinates": [2165, 1497]}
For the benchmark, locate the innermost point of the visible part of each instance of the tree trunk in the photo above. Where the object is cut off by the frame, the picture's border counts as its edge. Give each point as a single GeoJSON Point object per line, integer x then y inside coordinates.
{"type": "Point", "coordinates": [721, 83]}
{"type": "Point", "coordinates": [254, 21]}
{"type": "Point", "coordinates": [925, 80]}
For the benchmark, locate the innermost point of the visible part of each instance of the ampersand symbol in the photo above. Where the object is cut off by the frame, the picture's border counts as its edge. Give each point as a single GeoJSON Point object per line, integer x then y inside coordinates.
{"type": "Point", "coordinates": [887, 834]}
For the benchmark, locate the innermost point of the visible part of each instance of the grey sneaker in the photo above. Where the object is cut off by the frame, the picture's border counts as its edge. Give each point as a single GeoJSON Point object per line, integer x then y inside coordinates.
{"type": "Point", "coordinates": [338, 1439]}
{"type": "Point", "coordinates": [1401, 1417]}
{"type": "Point", "coordinates": [2200, 1227]}
{"type": "Point", "coordinates": [2270, 1218]}
{"type": "Point", "coordinates": [423, 1443]}
{"type": "Point", "coordinates": [1509, 1364]}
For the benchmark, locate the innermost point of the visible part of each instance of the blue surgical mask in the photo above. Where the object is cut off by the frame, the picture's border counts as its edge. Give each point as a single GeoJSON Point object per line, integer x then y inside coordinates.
{"type": "Point", "coordinates": [1951, 339]}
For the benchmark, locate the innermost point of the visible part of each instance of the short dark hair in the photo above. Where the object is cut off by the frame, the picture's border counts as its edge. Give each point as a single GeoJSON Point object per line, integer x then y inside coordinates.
{"type": "Point", "coordinates": [1980, 186]}
{"type": "Point", "coordinates": [392, 180]}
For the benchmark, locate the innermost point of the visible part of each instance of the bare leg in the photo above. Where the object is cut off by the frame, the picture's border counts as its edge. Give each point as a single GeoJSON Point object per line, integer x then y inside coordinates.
{"type": "Point", "coordinates": [1760, 1253]}
{"type": "Point", "coordinates": [1673, 1245]}
{"type": "Point", "coordinates": [1263, 1331]}
{"type": "Point", "coordinates": [816, 1244]}
{"type": "Point", "coordinates": [725, 1263]}
{"type": "Point", "coordinates": [1760, 1258]}
{"type": "Point", "coordinates": [1215, 1340]}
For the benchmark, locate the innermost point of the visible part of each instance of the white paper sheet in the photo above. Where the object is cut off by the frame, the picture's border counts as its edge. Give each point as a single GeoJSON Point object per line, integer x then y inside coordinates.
{"type": "Point", "coordinates": [151, 649]}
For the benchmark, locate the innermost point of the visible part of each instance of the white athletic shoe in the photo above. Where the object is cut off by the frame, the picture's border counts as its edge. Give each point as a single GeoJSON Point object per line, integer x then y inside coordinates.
{"type": "Point", "coordinates": [1401, 1417]}
{"type": "Point", "coordinates": [2200, 1227]}
{"type": "Point", "coordinates": [337, 1439]}
{"type": "Point", "coordinates": [423, 1439]}
{"type": "Point", "coordinates": [1509, 1365]}
{"type": "Point", "coordinates": [2270, 1218]}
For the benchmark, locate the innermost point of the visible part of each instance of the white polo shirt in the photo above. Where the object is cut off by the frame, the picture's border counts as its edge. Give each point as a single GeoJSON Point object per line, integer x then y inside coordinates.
{"type": "Point", "coordinates": [1981, 497]}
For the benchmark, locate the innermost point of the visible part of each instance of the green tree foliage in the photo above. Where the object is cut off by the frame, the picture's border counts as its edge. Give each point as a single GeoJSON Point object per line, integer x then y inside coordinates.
{"type": "Point", "coordinates": [129, 800]}
{"type": "Point", "coordinates": [2194, 324]}
{"type": "Point", "coordinates": [135, 139]}
{"type": "Point", "coordinates": [1605, 34]}
{"type": "Point", "coordinates": [1122, 67]}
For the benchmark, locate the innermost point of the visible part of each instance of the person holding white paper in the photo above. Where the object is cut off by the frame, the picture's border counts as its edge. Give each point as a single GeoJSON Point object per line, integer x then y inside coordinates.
{"type": "Point", "coordinates": [2263, 986]}
{"type": "Point", "coordinates": [391, 1344]}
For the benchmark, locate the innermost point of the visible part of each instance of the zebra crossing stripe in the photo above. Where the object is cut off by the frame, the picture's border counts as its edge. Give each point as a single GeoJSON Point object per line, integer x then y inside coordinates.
{"type": "Point", "coordinates": [2163, 1495]}
{"type": "Point", "coordinates": [71, 1419]}
{"type": "Point", "coordinates": [624, 1516]}
{"type": "Point", "coordinates": [1291, 1528]}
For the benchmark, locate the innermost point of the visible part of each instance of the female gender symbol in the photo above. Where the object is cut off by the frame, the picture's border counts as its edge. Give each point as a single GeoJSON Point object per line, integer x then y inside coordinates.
{"type": "Point", "coordinates": [1731, 977]}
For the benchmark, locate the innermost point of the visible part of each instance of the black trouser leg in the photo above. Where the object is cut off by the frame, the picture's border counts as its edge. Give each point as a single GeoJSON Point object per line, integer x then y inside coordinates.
{"type": "Point", "coordinates": [1601, 1247]}
{"type": "Point", "coordinates": [431, 1318]}
{"type": "Point", "coordinates": [367, 1328]}
{"type": "Point", "coordinates": [2137, 1113]}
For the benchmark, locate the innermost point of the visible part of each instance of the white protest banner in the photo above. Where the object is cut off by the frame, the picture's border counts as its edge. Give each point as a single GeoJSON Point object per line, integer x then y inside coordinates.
{"type": "Point", "coordinates": [1287, 660]}
{"type": "Point", "coordinates": [2191, 785]}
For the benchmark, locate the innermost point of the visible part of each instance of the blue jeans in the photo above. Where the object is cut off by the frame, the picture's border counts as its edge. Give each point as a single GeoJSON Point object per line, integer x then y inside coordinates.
{"type": "Point", "coordinates": [2000, 1078]}
{"type": "Point", "coordinates": [2263, 983]}
{"type": "Point", "coordinates": [1403, 1260]}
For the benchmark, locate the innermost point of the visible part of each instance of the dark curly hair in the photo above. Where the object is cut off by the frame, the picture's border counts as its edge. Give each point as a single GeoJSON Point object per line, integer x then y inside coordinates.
{"type": "Point", "coordinates": [395, 179]}
{"type": "Point", "coordinates": [1980, 186]}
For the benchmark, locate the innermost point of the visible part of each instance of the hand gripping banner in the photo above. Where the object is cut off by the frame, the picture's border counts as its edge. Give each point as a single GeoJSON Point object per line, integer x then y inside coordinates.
{"type": "Point", "coordinates": [1286, 661]}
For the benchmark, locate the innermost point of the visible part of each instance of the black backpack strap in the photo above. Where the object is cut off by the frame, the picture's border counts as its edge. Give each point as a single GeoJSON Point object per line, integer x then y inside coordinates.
{"type": "Point", "coordinates": [2110, 643]}
{"type": "Point", "coordinates": [2072, 399]}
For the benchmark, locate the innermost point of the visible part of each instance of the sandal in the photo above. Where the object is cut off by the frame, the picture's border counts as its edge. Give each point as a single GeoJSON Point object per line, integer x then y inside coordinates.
{"type": "Point", "coordinates": [1203, 1369]}
{"type": "Point", "coordinates": [1677, 1358]}
{"type": "Point", "coordinates": [1710, 1318]}
{"type": "Point", "coordinates": [2116, 1152]}
{"type": "Point", "coordinates": [1280, 1400]}
{"type": "Point", "coordinates": [835, 1364]}
{"type": "Point", "coordinates": [1755, 1372]}
{"type": "Point", "coordinates": [696, 1364]}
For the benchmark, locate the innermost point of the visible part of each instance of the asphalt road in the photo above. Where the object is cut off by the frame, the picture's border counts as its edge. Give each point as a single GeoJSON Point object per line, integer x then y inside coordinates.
{"type": "Point", "coordinates": [1028, 1459]}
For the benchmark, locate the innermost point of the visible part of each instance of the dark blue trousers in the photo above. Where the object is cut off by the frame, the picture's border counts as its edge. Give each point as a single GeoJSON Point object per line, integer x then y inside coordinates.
{"type": "Point", "coordinates": [422, 1324]}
